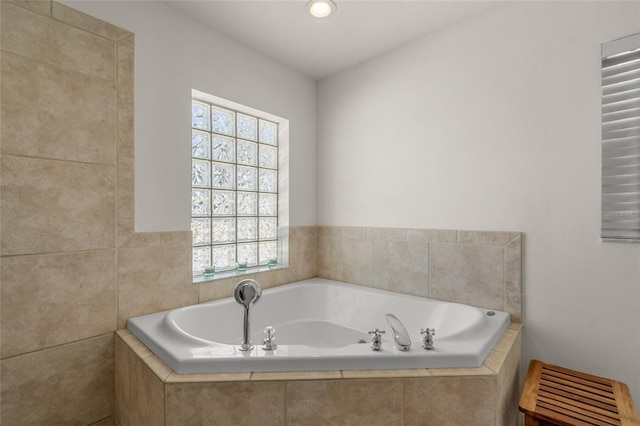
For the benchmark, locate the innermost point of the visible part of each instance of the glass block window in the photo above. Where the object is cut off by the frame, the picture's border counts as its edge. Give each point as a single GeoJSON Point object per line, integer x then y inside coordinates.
{"type": "Point", "coordinates": [234, 188]}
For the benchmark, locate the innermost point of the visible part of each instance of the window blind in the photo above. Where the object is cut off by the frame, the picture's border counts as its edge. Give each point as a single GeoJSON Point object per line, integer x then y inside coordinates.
{"type": "Point", "coordinates": [621, 139]}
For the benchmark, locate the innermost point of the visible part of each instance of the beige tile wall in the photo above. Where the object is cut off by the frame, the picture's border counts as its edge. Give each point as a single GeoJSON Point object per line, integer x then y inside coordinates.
{"type": "Point", "coordinates": [72, 268]}
{"type": "Point", "coordinates": [59, 192]}
{"type": "Point", "coordinates": [479, 268]}
{"type": "Point", "coordinates": [439, 397]}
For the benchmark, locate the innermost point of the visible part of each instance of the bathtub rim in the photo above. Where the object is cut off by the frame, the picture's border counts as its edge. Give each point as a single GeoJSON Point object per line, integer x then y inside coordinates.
{"type": "Point", "coordinates": [492, 365]}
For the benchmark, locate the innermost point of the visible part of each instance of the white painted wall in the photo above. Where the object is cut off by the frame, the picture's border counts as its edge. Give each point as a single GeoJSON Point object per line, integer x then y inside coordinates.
{"type": "Point", "coordinates": [493, 124]}
{"type": "Point", "coordinates": [175, 54]}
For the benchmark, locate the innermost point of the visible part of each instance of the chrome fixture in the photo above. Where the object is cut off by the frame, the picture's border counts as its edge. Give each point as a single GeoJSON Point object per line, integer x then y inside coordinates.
{"type": "Point", "coordinates": [321, 8]}
{"type": "Point", "coordinates": [269, 341]}
{"type": "Point", "coordinates": [247, 293]}
{"type": "Point", "coordinates": [376, 339]}
{"type": "Point", "coordinates": [427, 338]}
{"type": "Point", "coordinates": [400, 335]}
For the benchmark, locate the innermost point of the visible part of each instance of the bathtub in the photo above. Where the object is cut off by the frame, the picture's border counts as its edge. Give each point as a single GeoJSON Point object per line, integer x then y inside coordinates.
{"type": "Point", "coordinates": [320, 325]}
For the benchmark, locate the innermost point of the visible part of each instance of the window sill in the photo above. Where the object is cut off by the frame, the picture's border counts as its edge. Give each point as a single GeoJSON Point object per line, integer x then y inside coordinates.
{"type": "Point", "coordinates": [199, 279]}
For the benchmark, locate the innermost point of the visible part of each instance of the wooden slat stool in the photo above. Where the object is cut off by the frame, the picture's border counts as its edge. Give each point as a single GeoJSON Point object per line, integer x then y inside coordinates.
{"type": "Point", "coordinates": [554, 395]}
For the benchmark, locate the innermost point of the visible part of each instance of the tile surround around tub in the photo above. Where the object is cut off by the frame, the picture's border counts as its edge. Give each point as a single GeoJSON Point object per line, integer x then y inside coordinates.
{"type": "Point", "coordinates": [440, 397]}
{"type": "Point", "coordinates": [456, 396]}
{"type": "Point", "coordinates": [479, 268]}
{"type": "Point", "coordinates": [232, 403]}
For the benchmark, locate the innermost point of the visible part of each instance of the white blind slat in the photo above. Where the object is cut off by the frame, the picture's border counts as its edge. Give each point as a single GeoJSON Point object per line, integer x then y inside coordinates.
{"type": "Point", "coordinates": [620, 114]}
{"type": "Point", "coordinates": [620, 106]}
{"type": "Point", "coordinates": [622, 133]}
{"type": "Point", "coordinates": [622, 189]}
{"type": "Point", "coordinates": [630, 74]}
{"type": "Point", "coordinates": [625, 161]}
{"type": "Point", "coordinates": [623, 68]}
{"type": "Point", "coordinates": [626, 87]}
{"type": "Point", "coordinates": [620, 143]}
{"type": "Point", "coordinates": [621, 235]}
{"type": "Point", "coordinates": [627, 95]}
{"type": "Point", "coordinates": [620, 180]}
{"type": "Point", "coordinates": [628, 123]}
{"type": "Point", "coordinates": [611, 152]}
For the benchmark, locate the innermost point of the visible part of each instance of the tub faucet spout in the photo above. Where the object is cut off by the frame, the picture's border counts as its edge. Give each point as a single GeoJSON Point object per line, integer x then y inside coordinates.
{"type": "Point", "coordinates": [400, 335]}
{"type": "Point", "coordinates": [247, 293]}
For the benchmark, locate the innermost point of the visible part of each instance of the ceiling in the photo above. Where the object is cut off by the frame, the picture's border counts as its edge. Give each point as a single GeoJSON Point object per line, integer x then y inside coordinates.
{"type": "Point", "coordinates": [358, 31]}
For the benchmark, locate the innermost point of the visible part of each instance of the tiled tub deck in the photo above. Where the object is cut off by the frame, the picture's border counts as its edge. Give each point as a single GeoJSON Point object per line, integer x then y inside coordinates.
{"type": "Point", "coordinates": [148, 392]}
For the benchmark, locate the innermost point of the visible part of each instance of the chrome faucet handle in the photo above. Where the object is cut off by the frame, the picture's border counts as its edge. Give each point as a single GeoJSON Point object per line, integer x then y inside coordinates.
{"type": "Point", "coordinates": [376, 339]}
{"type": "Point", "coordinates": [269, 341]}
{"type": "Point", "coordinates": [427, 339]}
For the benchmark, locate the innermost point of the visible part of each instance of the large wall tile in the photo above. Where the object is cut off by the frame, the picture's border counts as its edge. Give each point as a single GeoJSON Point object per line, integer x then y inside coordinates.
{"type": "Point", "coordinates": [147, 395]}
{"type": "Point", "coordinates": [153, 279]}
{"type": "Point", "coordinates": [343, 231]}
{"type": "Point", "coordinates": [401, 266]}
{"type": "Point", "coordinates": [305, 249]}
{"type": "Point", "coordinates": [43, 7]}
{"type": "Point", "coordinates": [56, 206]}
{"type": "Point", "coordinates": [225, 403]}
{"type": "Point", "coordinates": [35, 36]}
{"type": "Point", "coordinates": [514, 293]}
{"type": "Point", "coordinates": [431, 235]}
{"type": "Point", "coordinates": [510, 384]}
{"type": "Point", "coordinates": [395, 234]}
{"type": "Point", "coordinates": [88, 23]}
{"type": "Point", "coordinates": [460, 401]}
{"type": "Point", "coordinates": [345, 402]}
{"type": "Point", "coordinates": [65, 385]}
{"type": "Point", "coordinates": [513, 265]}
{"type": "Point", "coordinates": [122, 381]}
{"type": "Point", "coordinates": [48, 300]}
{"type": "Point", "coordinates": [494, 238]}
{"type": "Point", "coordinates": [323, 256]}
{"type": "Point", "coordinates": [126, 191]}
{"type": "Point", "coordinates": [468, 274]}
{"type": "Point", "coordinates": [346, 259]}
{"type": "Point", "coordinates": [125, 137]}
{"type": "Point", "coordinates": [352, 260]}
{"type": "Point", "coordinates": [54, 113]}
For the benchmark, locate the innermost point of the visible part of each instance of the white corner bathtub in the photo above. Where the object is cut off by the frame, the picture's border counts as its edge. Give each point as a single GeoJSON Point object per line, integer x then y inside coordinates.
{"type": "Point", "coordinates": [320, 325]}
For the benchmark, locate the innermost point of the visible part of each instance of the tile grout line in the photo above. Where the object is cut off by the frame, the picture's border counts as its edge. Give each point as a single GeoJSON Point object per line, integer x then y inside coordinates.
{"type": "Point", "coordinates": [117, 189]}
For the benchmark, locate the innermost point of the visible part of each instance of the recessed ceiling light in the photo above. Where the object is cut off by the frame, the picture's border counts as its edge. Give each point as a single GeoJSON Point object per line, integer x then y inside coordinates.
{"type": "Point", "coordinates": [321, 8]}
